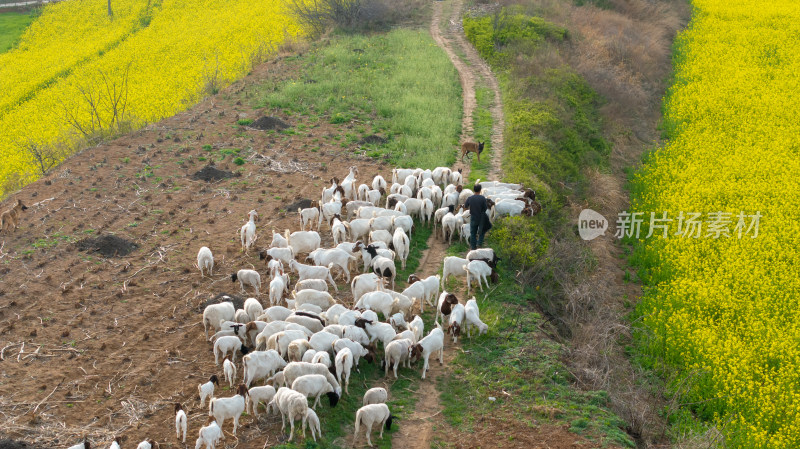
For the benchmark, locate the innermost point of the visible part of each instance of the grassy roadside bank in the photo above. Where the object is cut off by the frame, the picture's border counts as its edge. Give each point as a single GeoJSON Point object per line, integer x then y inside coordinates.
{"type": "Point", "coordinates": [553, 132]}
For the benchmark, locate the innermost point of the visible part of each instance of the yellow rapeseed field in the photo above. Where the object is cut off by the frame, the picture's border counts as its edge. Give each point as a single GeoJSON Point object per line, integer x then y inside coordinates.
{"type": "Point", "coordinates": [726, 311]}
{"type": "Point", "coordinates": [159, 56]}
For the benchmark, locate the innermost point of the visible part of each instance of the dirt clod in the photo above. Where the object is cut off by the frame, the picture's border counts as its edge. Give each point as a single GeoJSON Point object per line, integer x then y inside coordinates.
{"type": "Point", "coordinates": [372, 139]}
{"type": "Point", "coordinates": [238, 302]}
{"type": "Point", "coordinates": [107, 245]}
{"type": "Point", "coordinates": [210, 174]}
{"type": "Point", "coordinates": [268, 123]}
{"type": "Point", "coordinates": [301, 204]}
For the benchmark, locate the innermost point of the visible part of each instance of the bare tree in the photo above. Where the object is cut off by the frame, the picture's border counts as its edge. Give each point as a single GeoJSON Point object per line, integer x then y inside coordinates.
{"type": "Point", "coordinates": [43, 157]}
{"type": "Point", "coordinates": [104, 103]}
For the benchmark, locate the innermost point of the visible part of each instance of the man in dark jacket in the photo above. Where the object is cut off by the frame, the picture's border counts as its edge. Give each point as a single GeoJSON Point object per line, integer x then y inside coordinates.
{"type": "Point", "coordinates": [479, 223]}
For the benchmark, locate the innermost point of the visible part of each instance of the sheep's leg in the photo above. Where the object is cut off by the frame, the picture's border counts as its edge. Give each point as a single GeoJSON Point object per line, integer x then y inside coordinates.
{"type": "Point", "coordinates": [425, 366]}
{"type": "Point", "coordinates": [235, 423]}
{"type": "Point", "coordinates": [369, 431]}
{"type": "Point", "coordinates": [303, 427]}
{"type": "Point", "coordinates": [347, 383]}
{"type": "Point", "coordinates": [441, 356]}
{"type": "Point", "coordinates": [216, 357]}
{"type": "Point", "coordinates": [396, 362]}
{"type": "Point", "coordinates": [316, 402]}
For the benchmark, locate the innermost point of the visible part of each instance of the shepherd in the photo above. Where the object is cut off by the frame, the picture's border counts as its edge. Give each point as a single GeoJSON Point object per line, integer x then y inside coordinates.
{"type": "Point", "coordinates": [479, 223]}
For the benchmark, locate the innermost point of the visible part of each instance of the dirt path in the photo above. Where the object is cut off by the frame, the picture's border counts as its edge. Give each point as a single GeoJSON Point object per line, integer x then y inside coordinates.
{"type": "Point", "coordinates": [417, 430]}
{"type": "Point", "coordinates": [471, 70]}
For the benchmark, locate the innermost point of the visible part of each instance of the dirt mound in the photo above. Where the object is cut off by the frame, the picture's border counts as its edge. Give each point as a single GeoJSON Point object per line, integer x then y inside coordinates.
{"type": "Point", "coordinates": [238, 302]}
{"type": "Point", "coordinates": [374, 139]}
{"type": "Point", "coordinates": [11, 444]}
{"type": "Point", "coordinates": [209, 173]}
{"type": "Point", "coordinates": [108, 245]}
{"type": "Point", "coordinates": [268, 123]}
{"type": "Point", "coordinates": [301, 204]}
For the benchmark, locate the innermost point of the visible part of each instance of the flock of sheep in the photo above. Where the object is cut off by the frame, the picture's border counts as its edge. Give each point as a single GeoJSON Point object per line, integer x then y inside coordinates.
{"type": "Point", "coordinates": [305, 344]}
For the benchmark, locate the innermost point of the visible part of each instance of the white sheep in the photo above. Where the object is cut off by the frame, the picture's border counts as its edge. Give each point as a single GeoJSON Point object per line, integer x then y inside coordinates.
{"type": "Point", "coordinates": [291, 404]}
{"type": "Point", "coordinates": [296, 349]}
{"type": "Point", "coordinates": [303, 241]}
{"type": "Point", "coordinates": [314, 386]}
{"type": "Point", "coordinates": [432, 343]}
{"type": "Point", "coordinates": [453, 266]}
{"type": "Point", "coordinates": [205, 261]}
{"type": "Point", "coordinates": [418, 327]}
{"type": "Point", "coordinates": [479, 270]}
{"type": "Point", "coordinates": [280, 341]}
{"type": "Point", "coordinates": [249, 277]}
{"type": "Point", "coordinates": [285, 255]}
{"type": "Point", "coordinates": [248, 231]}
{"type": "Point", "coordinates": [378, 183]}
{"type": "Point", "coordinates": [431, 286]}
{"type": "Point", "coordinates": [322, 357]}
{"type": "Point", "coordinates": [275, 268]}
{"type": "Point", "coordinates": [253, 308]}
{"type": "Point", "coordinates": [296, 369]}
{"type": "Point", "coordinates": [311, 272]}
{"type": "Point", "coordinates": [324, 300]}
{"type": "Point", "coordinates": [272, 328]}
{"type": "Point", "coordinates": [375, 395]}
{"type": "Point", "coordinates": [241, 316]}
{"type": "Point", "coordinates": [312, 420]}
{"type": "Point", "coordinates": [487, 254]}
{"type": "Point", "coordinates": [381, 236]}
{"type": "Point", "coordinates": [331, 316]}
{"type": "Point", "coordinates": [349, 318]}
{"type": "Point", "coordinates": [382, 266]}
{"type": "Point", "coordinates": [215, 313]}
{"type": "Point", "coordinates": [380, 331]}
{"type": "Point", "coordinates": [260, 365]}
{"type": "Point", "coordinates": [306, 319]}
{"type": "Point", "coordinates": [115, 444]}
{"type": "Point", "coordinates": [445, 305]}
{"type": "Point", "coordinates": [357, 334]}
{"type": "Point", "coordinates": [398, 321]}
{"type": "Point", "coordinates": [339, 230]}
{"type": "Point", "coordinates": [228, 343]}
{"type": "Point", "coordinates": [322, 341]}
{"type": "Point", "coordinates": [402, 246]}
{"type": "Point", "coordinates": [232, 407]}
{"type": "Point", "coordinates": [308, 356]}
{"type": "Point", "coordinates": [230, 328]}
{"type": "Point", "coordinates": [278, 286]}
{"type": "Point", "coordinates": [275, 313]}
{"type": "Point", "coordinates": [206, 390]}
{"type": "Point", "coordinates": [180, 422]}
{"type": "Point", "coordinates": [379, 301]}
{"type": "Point", "coordinates": [455, 321]}
{"type": "Point", "coordinates": [409, 334]}
{"type": "Point", "coordinates": [344, 364]}
{"type": "Point", "coordinates": [371, 414]}
{"type": "Point", "coordinates": [402, 303]}
{"type": "Point", "coordinates": [85, 444]}
{"type": "Point", "coordinates": [357, 350]}
{"type": "Point", "coordinates": [229, 371]}
{"type": "Point", "coordinates": [396, 352]}
{"type": "Point", "coordinates": [473, 318]}
{"type": "Point", "coordinates": [210, 435]}
{"type": "Point", "coordinates": [309, 216]}
{"type": "Point", "coordinates": [349, 182]}
{"type": "Point", "coordinates": [334, 256]}
{"type": "Point", "coordinates": [311, 284]}
{"type": "Point", "coordinates": [364, 283]}
{"type": "Point", "coordinates": [257, 395]}
{"type": "Point", "coordinates": [146, 444]}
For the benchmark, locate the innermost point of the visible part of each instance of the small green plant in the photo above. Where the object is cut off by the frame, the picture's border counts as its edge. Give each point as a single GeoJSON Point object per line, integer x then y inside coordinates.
{"type": "Point", "coordinates": [245, 122]}
{"type": "Point", "coordinates": [238, 161]}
